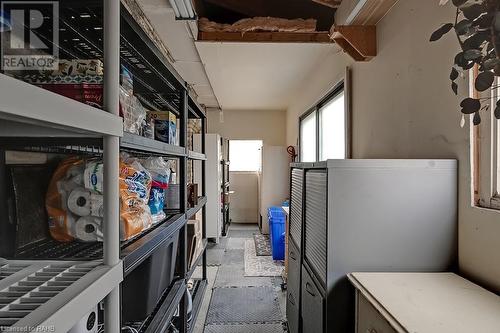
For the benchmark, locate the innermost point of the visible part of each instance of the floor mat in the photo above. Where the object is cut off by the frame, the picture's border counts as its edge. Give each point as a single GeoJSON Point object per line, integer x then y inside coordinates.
{"type": "Point", "coordinates": [234, 276]}
{"type": "Point", "coordinates": [245, 328]}
{"type": "Point", "coordinates": [214, 257]}
{"type": "Point", "coordinates": [221, 245]}
{"type": "Point", "coordinates": [262, 245]}
{"type": "Point", "coordinates": [257, 305]}
{"type": "Point", "coordinates": [260, 266]}
{"type": "Point", "coordinates": [232, 257]}
{"type": "Point", "coordinates": [236, 243]}
{"type": "Point", "coordinates": [242, 233]}
{"type": "Point", "coordinates": [244, 226]}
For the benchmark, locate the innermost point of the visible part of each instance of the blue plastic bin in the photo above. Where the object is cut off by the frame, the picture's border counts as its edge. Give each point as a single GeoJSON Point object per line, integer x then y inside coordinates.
{"type": "Point", "coordinates": [277, 220]}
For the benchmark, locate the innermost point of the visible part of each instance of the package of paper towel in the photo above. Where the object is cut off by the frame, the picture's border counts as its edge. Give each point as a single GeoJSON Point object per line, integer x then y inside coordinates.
{"type": "Point", "coordinates": [160, 173]}
{"type": "Point", "coordinates": [74, 199]}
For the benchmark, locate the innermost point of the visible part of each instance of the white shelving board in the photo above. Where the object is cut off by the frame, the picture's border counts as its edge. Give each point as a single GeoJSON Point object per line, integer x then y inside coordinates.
{"type": "Point", "coordinates": [27, 110]}
{"type": "Point", "coordinates": [52, 294]}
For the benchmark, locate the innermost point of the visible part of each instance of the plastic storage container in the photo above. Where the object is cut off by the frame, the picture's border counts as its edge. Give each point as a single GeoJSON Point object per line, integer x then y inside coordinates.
{"type": "Point", "coordinates": [277, 232]}
{"type": "Point", "coordinates": [142, 288]}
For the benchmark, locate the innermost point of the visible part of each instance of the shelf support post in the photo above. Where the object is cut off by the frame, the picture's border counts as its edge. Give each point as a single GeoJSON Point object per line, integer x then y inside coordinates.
{"type": "Point", "coordinates": [183, 307]}
{"type": "Point", "coordinates": [204, 192]}
{"type": "Point", "coordinates": [111, 153]}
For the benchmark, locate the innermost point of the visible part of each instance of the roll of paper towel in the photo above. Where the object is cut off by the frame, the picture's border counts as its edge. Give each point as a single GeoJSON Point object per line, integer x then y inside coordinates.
{"type": "Point", "coordinates": [83, 202]}
{"type": "Point", "coordinates": [88, 229]}
{"type": "Point", "coordinates": [79, 202]}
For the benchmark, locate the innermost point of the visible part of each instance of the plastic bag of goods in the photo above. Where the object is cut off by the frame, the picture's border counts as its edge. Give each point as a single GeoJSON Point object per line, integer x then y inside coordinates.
{"type": "Point", "coordinates": [74, 200]}
{"type": "Point", "coordinates": [74, 211]}
{"type": "Point", "coordinates": [135, 187]}
{"type": "Point", "coordinates": [160, 173]}
{"type": "Point", "coordinates": [132, 111]}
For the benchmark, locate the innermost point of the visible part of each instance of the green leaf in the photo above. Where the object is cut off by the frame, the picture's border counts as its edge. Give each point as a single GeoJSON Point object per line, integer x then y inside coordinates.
{"type": "Point", "coordinates": [497, 110]}
{"type": "Point", "coordinates": [476, 40]}
{"type": "Point", "coordinates": [458, 3]}
{"type": "Point", "coordinates": [484, 81]}
{"type": "Point", "coordinates": [472, 54]}
{"type": "Point", "coordinates": [477, 119]}
{"type": "Point", "coordinates": [470, 105]}
{"type": "Point", "coordinates": [436, 35]}
{"type": "Point", "coordinates": [489, 64]}
{"type": "Point", "coordinates": [453, 74]}
{"type": "Point", "coordinates": [473, 11]}
{"type": "Point", "coordinates": [454, 87]}
{"type": "Point", "coordinates": [462, 27]}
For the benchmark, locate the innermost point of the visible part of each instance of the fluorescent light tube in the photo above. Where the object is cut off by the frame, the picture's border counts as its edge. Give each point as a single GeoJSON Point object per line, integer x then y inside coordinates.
{"type": "Point", "coordinates": [183, 9]}
{"type": "Point", "coordinates": [189, 6]}
{"type": "Point", "coordinates": [174, 7]}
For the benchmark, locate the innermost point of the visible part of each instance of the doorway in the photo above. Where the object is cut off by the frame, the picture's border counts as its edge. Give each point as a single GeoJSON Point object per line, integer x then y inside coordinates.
{"type": "Point", "coordinates": [246, 164]}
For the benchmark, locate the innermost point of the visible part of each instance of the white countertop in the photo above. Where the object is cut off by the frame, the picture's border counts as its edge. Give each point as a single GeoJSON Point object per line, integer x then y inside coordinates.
{"type": "Point", "coordinates": [431, 302]}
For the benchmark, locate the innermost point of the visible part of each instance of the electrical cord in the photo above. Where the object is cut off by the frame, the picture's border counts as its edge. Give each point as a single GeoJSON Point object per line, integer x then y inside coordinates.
{"type": "Point", "coordinates": [131, 329]}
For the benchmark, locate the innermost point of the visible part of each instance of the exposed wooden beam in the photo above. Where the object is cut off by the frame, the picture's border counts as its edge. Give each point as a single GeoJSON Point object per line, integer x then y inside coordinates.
{"type": "Point", "coordinates": [265, 37]}
{"type": "Point", "coordinates": [360, 42]}
{"type": "Point", "coordinates": [329, 3]}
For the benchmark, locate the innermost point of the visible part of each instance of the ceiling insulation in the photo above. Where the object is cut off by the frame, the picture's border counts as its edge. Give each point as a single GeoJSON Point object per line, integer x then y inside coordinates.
{"type": "Point", "coordinates": [269, 24]}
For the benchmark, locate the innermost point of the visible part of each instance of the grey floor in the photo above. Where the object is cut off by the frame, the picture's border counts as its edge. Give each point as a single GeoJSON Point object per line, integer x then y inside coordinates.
{"type": "Point", "coordinates": [234, 303]}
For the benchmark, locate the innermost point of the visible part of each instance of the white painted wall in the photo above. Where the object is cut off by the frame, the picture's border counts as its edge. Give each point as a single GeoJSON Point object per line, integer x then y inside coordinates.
{"type": "Point", "coordinates": [403, 107]}
{"type": "Point", "coordinates": [275, 179]}
{"type": "Point", "coordinates": [268, 126]}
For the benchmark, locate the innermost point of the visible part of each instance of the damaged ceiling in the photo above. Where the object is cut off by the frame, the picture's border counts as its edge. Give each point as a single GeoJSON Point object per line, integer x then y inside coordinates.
{"type": "Point", "coordinates": [231, 11]}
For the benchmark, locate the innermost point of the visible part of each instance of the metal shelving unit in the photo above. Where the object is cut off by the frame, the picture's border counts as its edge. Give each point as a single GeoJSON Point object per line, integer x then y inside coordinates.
{"type": "Point", "coordinates": [198, 260]}
{"type": "Point", "coordinates": [69, 279]}
{"type": "Point", "coordinates": [200, 285]}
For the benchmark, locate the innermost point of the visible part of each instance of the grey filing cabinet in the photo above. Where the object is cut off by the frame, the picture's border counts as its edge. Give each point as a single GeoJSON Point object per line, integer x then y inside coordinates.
{"type": "Point", "coordinates": [364, 215]}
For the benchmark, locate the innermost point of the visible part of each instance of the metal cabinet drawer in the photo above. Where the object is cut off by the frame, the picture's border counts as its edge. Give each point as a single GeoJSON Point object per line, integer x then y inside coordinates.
{"type": "Point", "coordinates": [293, 278]}
{"type": "Point", "coordinates": [312, 305]}
{"type": "Point", "coordinates": [368, 319]}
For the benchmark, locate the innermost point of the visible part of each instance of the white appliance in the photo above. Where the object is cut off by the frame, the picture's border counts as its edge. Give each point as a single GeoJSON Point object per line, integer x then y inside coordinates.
{"type": "Point", "coordinates": [273, 181]}
{"type": "Point", "coordinates": [213, 164]}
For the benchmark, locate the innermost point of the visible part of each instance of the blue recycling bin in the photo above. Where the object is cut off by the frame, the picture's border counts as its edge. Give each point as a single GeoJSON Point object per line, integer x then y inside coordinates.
{"type": "Point", "coordinates": [277, 231]}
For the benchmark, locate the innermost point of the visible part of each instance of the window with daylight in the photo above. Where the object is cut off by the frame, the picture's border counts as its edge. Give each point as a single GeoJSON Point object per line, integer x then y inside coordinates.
{"type": "Point", "coordinates": [245, 155]}
{"type": "Point", "coordinates": [486, 152]}
{"type": "Point", "coordinates": [324, 129]}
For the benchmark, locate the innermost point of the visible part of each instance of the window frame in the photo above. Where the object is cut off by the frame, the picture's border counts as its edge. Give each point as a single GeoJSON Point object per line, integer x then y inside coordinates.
{"type": "Point", "coordinates": [341, 86]}
{"type": "Point", "coordinates": [485, 151]}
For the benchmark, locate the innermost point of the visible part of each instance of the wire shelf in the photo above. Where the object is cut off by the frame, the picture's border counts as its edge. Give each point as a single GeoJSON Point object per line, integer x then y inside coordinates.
{"type": "Point", "coordinates": [49, 249]}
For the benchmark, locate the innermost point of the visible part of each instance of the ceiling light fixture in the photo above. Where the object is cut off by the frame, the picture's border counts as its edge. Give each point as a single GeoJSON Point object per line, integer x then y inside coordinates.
{"type": "Point", "coordinates": [183, 9]}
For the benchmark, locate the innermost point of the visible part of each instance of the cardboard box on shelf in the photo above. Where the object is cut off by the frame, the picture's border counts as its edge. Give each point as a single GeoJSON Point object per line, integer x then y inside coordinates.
{"type": "Point", "coordinates": [192, 190]}
{"type": "Point", "coordinates": [61, 79]}
{"type": "Point", "coordinates": [90, 94]}
{"type": "Point", "coordinates": [165, 126]}
{"type": "Point", "coordinates": [78, 67]}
